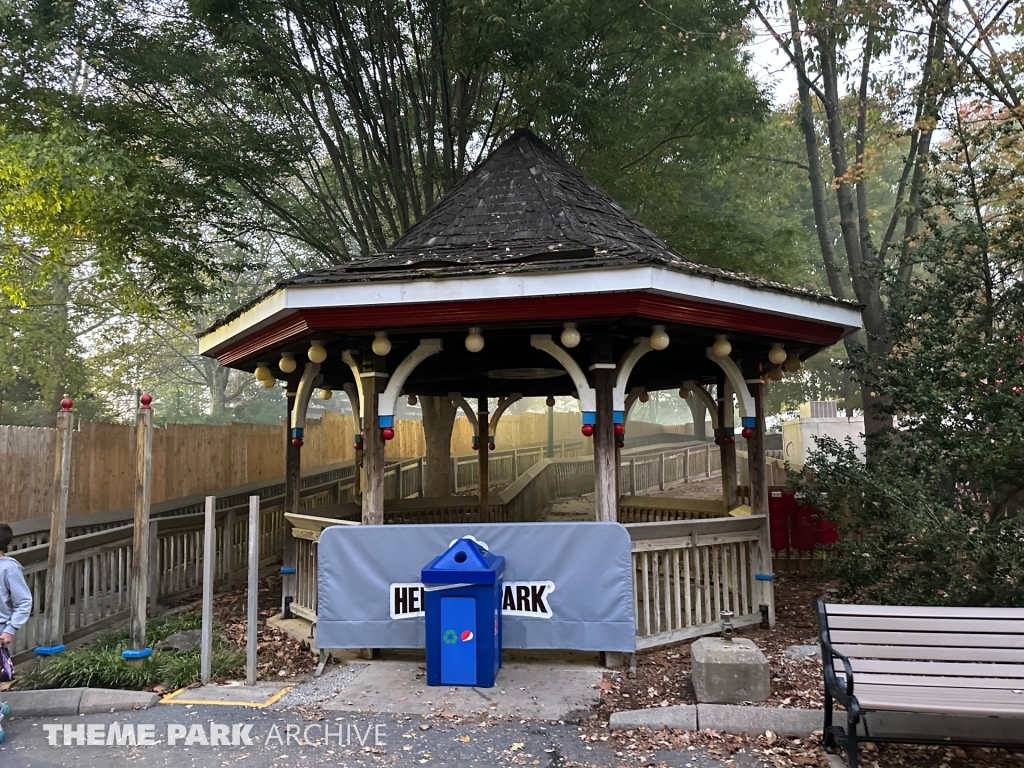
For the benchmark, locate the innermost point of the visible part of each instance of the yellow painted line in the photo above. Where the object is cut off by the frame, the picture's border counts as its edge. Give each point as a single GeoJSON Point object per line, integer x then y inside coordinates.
{"type": "Point", "coordinates": [171, 698]}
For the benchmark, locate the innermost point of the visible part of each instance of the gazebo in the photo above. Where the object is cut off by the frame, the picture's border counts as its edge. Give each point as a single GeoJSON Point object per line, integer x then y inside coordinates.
{"type": "Point", "coordinates": [527, 280]}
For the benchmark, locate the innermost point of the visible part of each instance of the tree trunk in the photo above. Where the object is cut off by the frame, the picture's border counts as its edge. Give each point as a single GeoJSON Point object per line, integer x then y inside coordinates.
{"type": "Point", "coordinates": [438, 420]}
{"type": "Point", "coordinates": [699, 412]}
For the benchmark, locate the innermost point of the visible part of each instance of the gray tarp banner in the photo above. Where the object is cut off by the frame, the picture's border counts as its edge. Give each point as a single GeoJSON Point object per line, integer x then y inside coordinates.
{"type": "Point", "coordinates": [567, 585]}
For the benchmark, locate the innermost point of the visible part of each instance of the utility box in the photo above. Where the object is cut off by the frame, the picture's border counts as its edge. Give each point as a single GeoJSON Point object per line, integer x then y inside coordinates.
{"type": "Point", "coordinates": [462, 602]}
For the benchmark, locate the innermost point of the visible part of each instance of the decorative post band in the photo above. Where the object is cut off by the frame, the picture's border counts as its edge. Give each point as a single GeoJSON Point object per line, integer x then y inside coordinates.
{"type": "Point", "coordinates": [618, 417]}
{"type": "Point", "coordinates": [385, 421]}
{"type": "Point", "coordinates": [748, 422]}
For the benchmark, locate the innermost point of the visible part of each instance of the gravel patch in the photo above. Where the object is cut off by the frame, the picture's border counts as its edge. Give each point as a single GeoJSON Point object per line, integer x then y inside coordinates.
{"type": "Point", "coordinates": [315, 691]}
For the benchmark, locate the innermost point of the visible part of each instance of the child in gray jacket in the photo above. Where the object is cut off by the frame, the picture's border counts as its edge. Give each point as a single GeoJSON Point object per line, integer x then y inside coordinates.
{"type": "Point", "coordinates": [15, 603]}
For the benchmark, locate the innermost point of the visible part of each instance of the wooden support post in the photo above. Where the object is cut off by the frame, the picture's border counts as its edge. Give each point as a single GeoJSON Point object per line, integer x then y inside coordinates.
{"type": "Point", "coordinates": [727, 448]}
{"type": "Point", "coordinates": [58, 531]}
{"type": "Point", "coordinates": [209, 558]}
{"type": "Point", "coordinates": [483, 419]}
{"type": "Point", "coordinates": [140, 544]}
{"type": "Point", "coordinates": [759, 499]}
{"type": "Point", "coordinates": [374, 379]}
{"type": "Point", "coordinates": [661, 473]}
{"type": "Point", "coordinates": [292, 491]}
{"type": "Point", "coordinates": [253, 593]}
{"type": "Point", "coordinates": [606, 498]}
{"type": "Point", "coordinates": [550, 453]}
{"type": "Point", "coordinates": [154, 567]}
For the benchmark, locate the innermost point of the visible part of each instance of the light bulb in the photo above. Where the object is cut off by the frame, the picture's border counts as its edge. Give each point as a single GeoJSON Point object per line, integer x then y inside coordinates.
{"type": "Point", "coordinates": [792, 364]}
{"type": "Point", "coordinates": [413, 400]}
{"type": "Point", "coordinates": [316, 353]}
{"type": "Point", "coordinates": [326, 394]}
{"type": "Point", "coordinates": [644, 397]}
{"type": "Point", "coordinates": [268, 383]}
{"type": "Point", "coordinates": [381, 344]}
{"type": "Point", "coordinates": [777, 356]}
{"type": "Point", "coordinates": [659, 339]}
{"type": "Point", "coordinates": [550, 402]}
{"type": "Point", "coordinates": [684, 392]}
{"type": "Point", "coordinates": [474, 340]}
{"type": "Point", "coordinates": [570, 336]}
{"type": "Point", "coordinates": [287, 363]}
{"type": "Point", "coordinates": [775, 374]}
{"type": "Point", "coordinates": [263, 372]}
{"type": "Point", "coordinates": [721, 347]}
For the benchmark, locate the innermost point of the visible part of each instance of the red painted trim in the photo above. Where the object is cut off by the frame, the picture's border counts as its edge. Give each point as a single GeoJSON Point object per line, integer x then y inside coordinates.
{"type": "Point", "coordinates": [637, 304]}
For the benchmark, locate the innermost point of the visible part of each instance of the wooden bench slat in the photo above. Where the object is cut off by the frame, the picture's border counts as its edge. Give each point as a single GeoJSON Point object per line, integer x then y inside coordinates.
{"type": "Point", "coordinates": [936, 668]}
{"type": "Point", "coordinates": [919, 653]}
{"type": "Point", "coordinates": [912, 624]}
{"type": "Point", "coordinates": [927, 639]}
{"type": "Point", "coordinates": [922, 681]}
{"type": "Point", "coordinates": [918, 611]}
{"type": "Point", "coordinates": [959, 701]}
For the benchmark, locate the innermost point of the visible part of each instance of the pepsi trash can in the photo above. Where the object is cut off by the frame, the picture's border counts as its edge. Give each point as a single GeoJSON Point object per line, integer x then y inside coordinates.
{"type": "Point", "coordinates": [462, 602]}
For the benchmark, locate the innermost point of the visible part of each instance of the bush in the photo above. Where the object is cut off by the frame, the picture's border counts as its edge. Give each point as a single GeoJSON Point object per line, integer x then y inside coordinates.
{"type": "Point", "coordinates": [101, 665]}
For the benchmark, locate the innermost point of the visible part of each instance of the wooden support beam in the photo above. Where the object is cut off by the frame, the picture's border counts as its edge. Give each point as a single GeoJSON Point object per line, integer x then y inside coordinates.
{"type": "Point", "coordinates": [54, 634]}
{"type": "Point", "coordinates": [759, 500]}
{"type": "Point", "coordinates": [483, 456]}
{"type": "Point", "coordinates": [292, 489]}
{"type": "Point", "coordinates": [209, 559]}
{"type": "Point", "coordinates": [252, 602]}
{"type": "Point", "coordinates": [374, 378]}
{"type": "Point", "coordinates": [727, 448]}
{"type": "Point", "coordinates": [606, 498]}
{"type": "Point", "coordinates": [140, 544]}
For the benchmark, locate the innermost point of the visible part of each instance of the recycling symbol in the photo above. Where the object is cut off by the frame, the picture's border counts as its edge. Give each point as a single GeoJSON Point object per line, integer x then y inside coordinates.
{"type": "Point", "coordinates": [449, 637]}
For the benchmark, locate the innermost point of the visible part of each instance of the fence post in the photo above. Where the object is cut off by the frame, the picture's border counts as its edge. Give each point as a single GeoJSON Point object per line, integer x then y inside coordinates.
{"type": "Point", "coordinates": [209, 555]}
{"type": "Point", "coordinates": [707, 461]}
{"type": "Point", "coordinates": [138, 649]}
{"type": "Point", "coordinates": [686, 466]}
{"type": "Point", "coordinates": [661, 476]}
{"type": "Point", "coordinates": [54, 636]}
{"type": "Point", "coordinates": [423, 470]}
{"type": "Point", "coordinates": [632, 476]}
{"type": "Point", "coordinates": [253, 596]}
{"type": "Point", "coordinates": [154, 566]}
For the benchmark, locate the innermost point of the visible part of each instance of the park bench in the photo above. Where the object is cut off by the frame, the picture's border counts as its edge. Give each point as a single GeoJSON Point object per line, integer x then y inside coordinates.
{"type": "Point", "coordinates": [916, 660]}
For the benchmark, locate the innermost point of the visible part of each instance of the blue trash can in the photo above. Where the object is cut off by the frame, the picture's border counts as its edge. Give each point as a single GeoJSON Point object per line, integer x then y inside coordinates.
{"type": "Point", "coordinates": [462, 602]}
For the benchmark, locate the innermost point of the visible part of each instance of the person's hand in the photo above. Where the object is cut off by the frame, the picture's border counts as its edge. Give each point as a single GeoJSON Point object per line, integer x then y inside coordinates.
{"type": "Point", "coordinates": [6, 639]}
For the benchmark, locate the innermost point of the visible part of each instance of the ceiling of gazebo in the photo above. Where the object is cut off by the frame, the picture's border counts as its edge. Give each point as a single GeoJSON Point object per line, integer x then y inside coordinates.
{"type": "Point", "coordinates": [524, 244]}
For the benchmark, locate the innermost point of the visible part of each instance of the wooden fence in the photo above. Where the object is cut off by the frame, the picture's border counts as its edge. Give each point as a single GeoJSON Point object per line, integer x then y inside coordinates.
{"type": "Point", "coordinates": [194, 458]}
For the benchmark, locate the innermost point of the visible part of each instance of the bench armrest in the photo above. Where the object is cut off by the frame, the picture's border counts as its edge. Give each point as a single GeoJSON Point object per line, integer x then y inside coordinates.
{"type": "Point", "coordinates": [828, 656]}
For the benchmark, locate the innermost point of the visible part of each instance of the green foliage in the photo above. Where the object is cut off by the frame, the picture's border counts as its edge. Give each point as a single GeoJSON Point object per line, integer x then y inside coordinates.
{"type": "Point", "coordinates": [936, 517]}
{"type": "Point", "coordinates": [101, 666]}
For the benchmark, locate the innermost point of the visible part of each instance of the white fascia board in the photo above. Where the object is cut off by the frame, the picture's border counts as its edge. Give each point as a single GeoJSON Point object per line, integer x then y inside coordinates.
{"type": "Point", "coordinates": [640, 278]}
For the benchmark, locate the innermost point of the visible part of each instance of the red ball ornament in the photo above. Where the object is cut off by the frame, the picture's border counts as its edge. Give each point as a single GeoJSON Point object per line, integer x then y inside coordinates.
{"type": "Point", "coordinates": [620, 443]}
{"type": "Point", "coordinates": [145, 400]}
{"type": "Point", "coordinates": [747, 433]}
{"type": "Point", "coordinates": [387, 433]}
{"type": "Point", "coordinates": [476, 446]}
{"type": "Point", "coordinates": [66, 403]}
{"type": "Point", "coordinates": [587, 430]}
{"type": "Point", "coordinates": [297, 442]}
{"type": "Point", "coordinates": [490, 446]}
{"type": "Point", "coordinates": [620, 429]}
{"type": "Point", "coordinates": [730, 440]}
{"type": "Point", "coordinates": [358, 446]}
{"type": "Point", "coordinates": [718, 440]}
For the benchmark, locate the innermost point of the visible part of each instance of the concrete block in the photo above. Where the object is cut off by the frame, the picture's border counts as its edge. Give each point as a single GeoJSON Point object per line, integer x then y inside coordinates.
{"type": "Point", "coordinates": [681, 716]}
{"type": "Point", "coordinates": [1004, 730]}
{"type": "Point", "coordinates": [613, 659]}
{"type": "Point", "coordinates": [731, 718]}
{"type": "Point", "coordinates": [728, 672]}
{"type": "Point", "coordinates": [46, 703]}
{"type": "Point", "coordinates": [97, 700]}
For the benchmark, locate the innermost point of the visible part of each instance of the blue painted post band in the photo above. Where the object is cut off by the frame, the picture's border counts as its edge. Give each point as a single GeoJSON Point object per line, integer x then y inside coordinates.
{"type": "Point", "coordinates": [385, 421]}
{"type": "Point", "coordinates": [590, 417]}
{"type": "Point", "coordinates": [297, 432]}
{"type": "Point", "coordinates": [287, 570]}
{"type": "Point", "coordinates": [140, 654]}
{"type": "Point", "coordinates": [490, 438]}
{"type": "Point", "coordinates": [476, 439]}
{"type": "Point", "coordinates": [729, 431]}
{"type": "Point", "coordinates": [617, 417]}
{"type": "Point", "coordinates": [749, 422]}
{"type": "Point", "coordinates": [49, 650]}
{"type": "Point", "coordinates": [764, 576]}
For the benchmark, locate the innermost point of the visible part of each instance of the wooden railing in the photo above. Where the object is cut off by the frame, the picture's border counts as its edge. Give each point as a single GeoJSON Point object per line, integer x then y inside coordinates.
{"type": "Point", "coordinates": [664, 469]}
{"type": "Point", "coordinates": [685, 573]}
